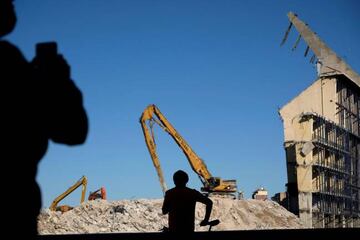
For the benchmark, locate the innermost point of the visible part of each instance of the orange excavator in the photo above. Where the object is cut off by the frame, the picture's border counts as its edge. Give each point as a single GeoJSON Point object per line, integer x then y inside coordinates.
{"type": "Point", "coordinates": [211, 185]}
{"type": "Point", "coordinates": [98, 194]}
{"type": "Point", "coordinates": [64, 208]}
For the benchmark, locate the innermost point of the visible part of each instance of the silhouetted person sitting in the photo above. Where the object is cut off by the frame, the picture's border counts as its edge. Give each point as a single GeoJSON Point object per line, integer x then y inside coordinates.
{"type": "Point", "coordinates": [180, 203]}
{"type": "Point", "coordinates": [39, 102]}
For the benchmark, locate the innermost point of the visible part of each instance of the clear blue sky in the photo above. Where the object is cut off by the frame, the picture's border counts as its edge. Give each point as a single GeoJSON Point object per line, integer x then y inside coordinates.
{"type": "Point", "coordinates": [214, 68]}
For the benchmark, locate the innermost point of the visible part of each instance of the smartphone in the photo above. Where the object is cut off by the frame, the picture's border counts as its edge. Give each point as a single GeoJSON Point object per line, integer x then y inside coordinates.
{"type": "Point", "coordinates": [46, 50]}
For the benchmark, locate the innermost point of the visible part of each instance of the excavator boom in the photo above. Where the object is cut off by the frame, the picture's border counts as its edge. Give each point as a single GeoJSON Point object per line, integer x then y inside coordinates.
{"type": "Point", "coordinates": [82, 181]}
{"type": "Point", "coordinates": [153, 115]}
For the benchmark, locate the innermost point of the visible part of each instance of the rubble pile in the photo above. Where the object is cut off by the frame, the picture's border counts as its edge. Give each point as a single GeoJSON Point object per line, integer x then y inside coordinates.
{"type": "Point", "coordinates": [144, 215]}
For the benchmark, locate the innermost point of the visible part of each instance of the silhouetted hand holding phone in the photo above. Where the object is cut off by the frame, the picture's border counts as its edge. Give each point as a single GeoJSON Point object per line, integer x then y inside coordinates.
{"type": "Point", "coordinates": [48, 63]}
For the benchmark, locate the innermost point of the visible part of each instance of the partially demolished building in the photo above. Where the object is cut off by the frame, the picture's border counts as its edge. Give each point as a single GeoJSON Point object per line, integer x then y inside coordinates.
{"type": "Point", "coordinates": [322, 140]}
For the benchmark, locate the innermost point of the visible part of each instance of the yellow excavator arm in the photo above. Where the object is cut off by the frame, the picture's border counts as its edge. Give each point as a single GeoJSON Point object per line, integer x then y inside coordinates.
{"type": "Point", "coordinates": [153, 115]}
{"type": "Point", "coordinates": [82, 181]}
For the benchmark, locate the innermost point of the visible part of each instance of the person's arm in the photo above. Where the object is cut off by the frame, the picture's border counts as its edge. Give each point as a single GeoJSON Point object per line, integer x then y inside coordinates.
{"type": "Point", "coordinates": [207, 201]}
{"type": "Point", "coordinates": [68, 122]}
{"type": "Point", "coordinates": [165, 206]}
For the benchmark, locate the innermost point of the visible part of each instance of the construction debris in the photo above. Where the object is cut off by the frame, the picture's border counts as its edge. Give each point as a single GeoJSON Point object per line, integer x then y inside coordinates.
{"type": "Point", "coordinates": [144, 215]}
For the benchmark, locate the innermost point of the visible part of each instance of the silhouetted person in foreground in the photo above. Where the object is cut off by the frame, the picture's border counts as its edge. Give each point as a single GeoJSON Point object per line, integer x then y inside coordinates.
{"type": "Point", "coordinates": [179, 203]}
{"type": "Point", "coordinates": [39, 102]}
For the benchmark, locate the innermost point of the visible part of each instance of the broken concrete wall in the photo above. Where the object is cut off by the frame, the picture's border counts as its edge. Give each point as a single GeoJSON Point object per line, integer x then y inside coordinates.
{"type": "Point", "coordinates": [322, 144]}
{"type": "Point", "coordinates": [322, 138]}
{"type": "Point", "coordinates": [319, 98]}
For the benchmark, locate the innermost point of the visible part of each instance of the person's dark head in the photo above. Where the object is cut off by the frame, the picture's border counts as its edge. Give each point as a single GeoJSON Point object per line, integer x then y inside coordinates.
{"type": "Point", "coordinates": [180, 178]}
{"type": "Point", "coordinates": [7, 17]}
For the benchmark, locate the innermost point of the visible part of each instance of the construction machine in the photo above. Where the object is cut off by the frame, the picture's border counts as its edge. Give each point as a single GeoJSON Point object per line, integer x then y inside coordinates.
{"type": "Point", "coordinates": [211, 185]}
{"type": "Point", "coordinates": [98, 194]}
{"type": "Point", "coordinates": [64, 208]}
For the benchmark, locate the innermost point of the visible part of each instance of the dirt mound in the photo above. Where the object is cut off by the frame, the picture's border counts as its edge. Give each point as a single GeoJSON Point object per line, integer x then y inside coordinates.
{"type": "Point", "coordinates": [144, 215]}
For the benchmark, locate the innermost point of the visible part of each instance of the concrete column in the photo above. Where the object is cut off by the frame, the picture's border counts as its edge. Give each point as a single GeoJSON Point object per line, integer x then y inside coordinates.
{"type": "Point", "coordinates": [305, 208]}
{"type": "Point", "coordinates": [333, 221]}
{"type": "Point", "coordinates": [349, 222]}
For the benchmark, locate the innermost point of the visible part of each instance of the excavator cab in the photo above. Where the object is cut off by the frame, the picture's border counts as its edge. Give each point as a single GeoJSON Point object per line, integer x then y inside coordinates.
{"type": "Point", "coordinates": [218, 186]}
{"type": "Point", "coordinates": [98, 194]}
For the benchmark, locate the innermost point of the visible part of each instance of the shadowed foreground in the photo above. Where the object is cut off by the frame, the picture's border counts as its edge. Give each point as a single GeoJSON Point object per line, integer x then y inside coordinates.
{"type": "Point", "coordinates": [228, 235]}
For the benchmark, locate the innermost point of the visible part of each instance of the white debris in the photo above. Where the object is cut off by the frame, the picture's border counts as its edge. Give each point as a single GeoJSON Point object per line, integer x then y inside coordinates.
{"type": "Point", "coordinates": [144, 215]}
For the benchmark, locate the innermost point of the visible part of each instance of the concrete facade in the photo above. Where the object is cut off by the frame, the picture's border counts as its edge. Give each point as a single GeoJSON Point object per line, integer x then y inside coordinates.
{"type": "Point", "coordinates": [322, 144]}
{"type": "Point", "coordinates": [322, 140]}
